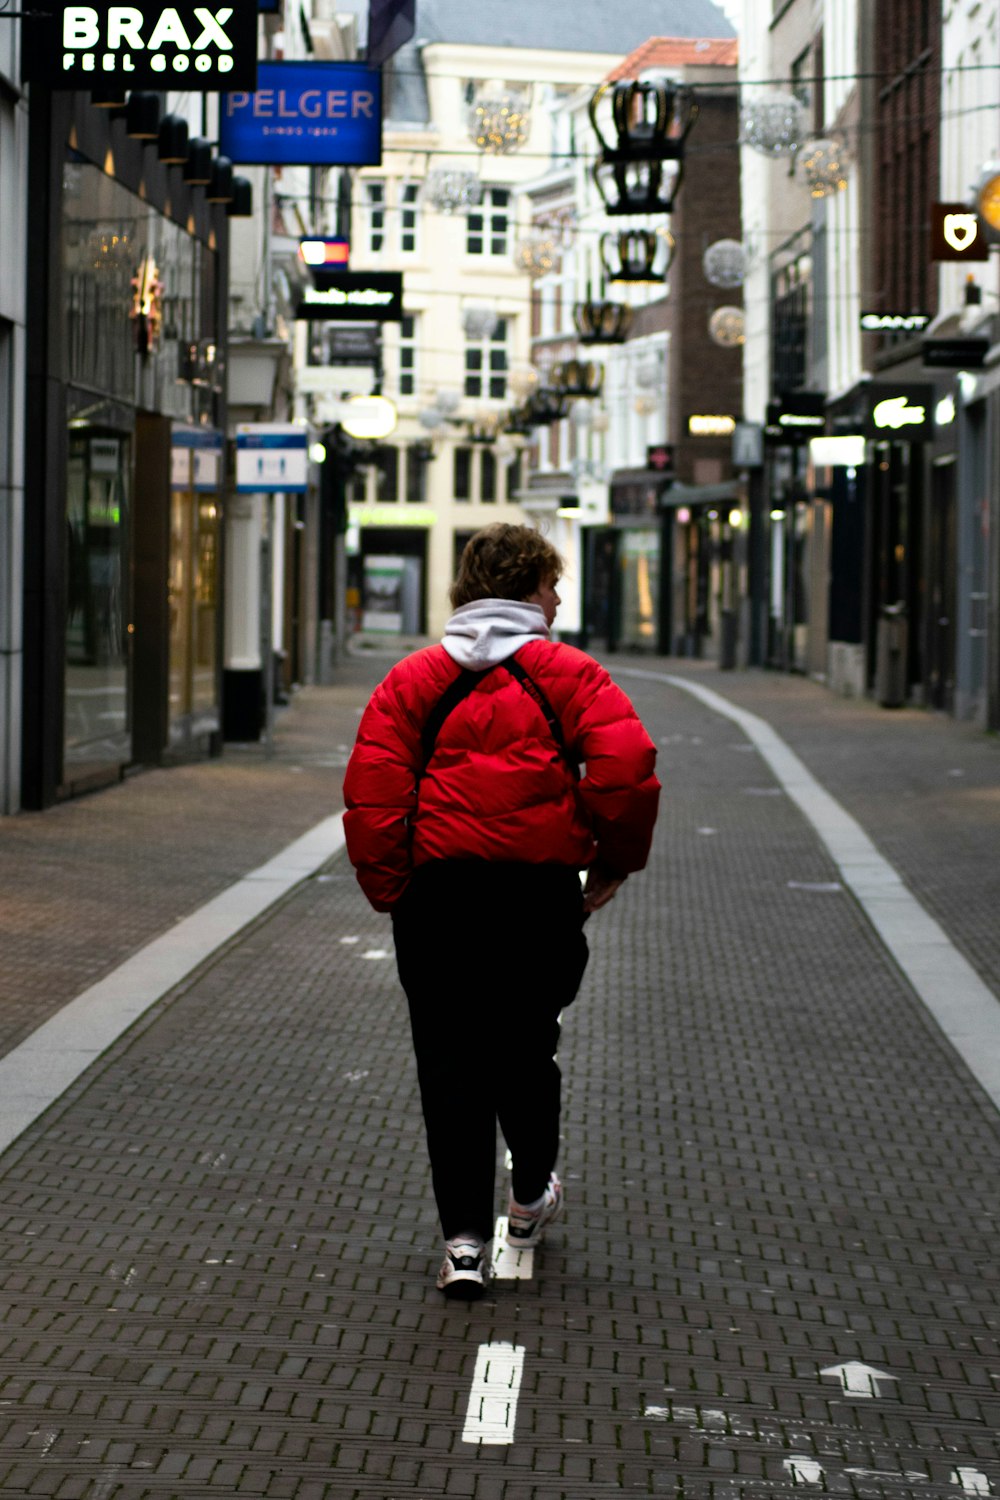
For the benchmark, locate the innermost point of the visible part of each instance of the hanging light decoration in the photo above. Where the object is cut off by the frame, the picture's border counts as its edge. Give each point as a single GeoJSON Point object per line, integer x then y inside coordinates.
{"type": "Point", "coordinates": [581, 413]}
{"type": "Point", "coordinates": [448, 402]}
{"type": "Point", "coordinates": [774, 124]}
{"type": "Point", "coordinates": [600, 322]}
{"type": "Point", "coordinates": [824, 167]}
{"type": "Point", "coordinates": [638, 255]}
{"type": "Point", "coordinates": [580, 378]}
{"type": "Point", "coordinates": [725, 263]}
{"type": "Point", "coordinates": [431, 418]}
{"type": "Point", "coordinates": [645, 406]}
{"type": "Point", "coordinates": [642, 128]}
{"type": "Point", "coordinates": [499, 119]}
{"type": "Point", "coordinates": [451, 191]}
{"type": "Point", "coordinates": [479, 322]}
{"type": "Point", "coordinates": [727, 327]}
{"type": "Point", "coordinates": [537, 253]}
{"type": "Point", "coordinates": [601, 421]}
{"type": "Point", "coordinates": [522, 381]}
{"type": "Point", "coordinates": [649, 372]}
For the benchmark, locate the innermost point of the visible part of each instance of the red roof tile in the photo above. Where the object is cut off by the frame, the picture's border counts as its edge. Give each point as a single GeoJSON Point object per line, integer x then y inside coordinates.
{"type": "Point", "coordinates": [677, 52]}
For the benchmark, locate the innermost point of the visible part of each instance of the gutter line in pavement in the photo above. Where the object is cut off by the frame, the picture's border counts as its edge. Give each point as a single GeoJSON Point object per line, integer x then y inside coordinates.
{"type": "Point", "coordinates": [966, 1009]}
{"type": "Point", "coordinates": [38, 1071]}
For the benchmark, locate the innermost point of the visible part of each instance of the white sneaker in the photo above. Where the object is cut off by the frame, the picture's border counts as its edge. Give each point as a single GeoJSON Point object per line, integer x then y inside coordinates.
{"type": "Point", "coordinates": [465, 1270]}
{"type": "Point", "coordinates": [526, 1226]}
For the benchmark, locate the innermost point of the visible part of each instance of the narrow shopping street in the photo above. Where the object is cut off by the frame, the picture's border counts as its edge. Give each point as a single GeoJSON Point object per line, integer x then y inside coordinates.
{"type": "Point", "coordinates": [777, 1272]}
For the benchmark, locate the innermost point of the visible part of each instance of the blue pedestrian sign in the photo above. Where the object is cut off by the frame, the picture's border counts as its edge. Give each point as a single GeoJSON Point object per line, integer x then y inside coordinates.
{"type": "Point", "coordinates": [271, 458]}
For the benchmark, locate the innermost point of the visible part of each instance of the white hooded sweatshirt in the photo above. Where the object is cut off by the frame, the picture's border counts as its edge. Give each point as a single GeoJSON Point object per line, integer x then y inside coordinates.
{"type": "Point", "coordinates": [487, 631]}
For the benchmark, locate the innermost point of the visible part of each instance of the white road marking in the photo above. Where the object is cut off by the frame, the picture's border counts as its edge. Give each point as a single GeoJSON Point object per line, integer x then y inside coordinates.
{"type": "Point", "coordinates": [962, 1004]}
{"type": "Point", "coordinates": [376, 953]}
{"type": "Point", "coordinates": [496, 1384]}
{"type": "Point", "coordinates": [804, 1470]}
{"type": "Point", "coordinates": [857, 1379]}
{"type": "Point", "coordinates": [972, 1482]}
{"type": "Point", "coordinates": [510, 1264]}
{"type": "Point", "coordinates": [814, 885]}
{"type": "Point", "coordinates": [35, 1074]}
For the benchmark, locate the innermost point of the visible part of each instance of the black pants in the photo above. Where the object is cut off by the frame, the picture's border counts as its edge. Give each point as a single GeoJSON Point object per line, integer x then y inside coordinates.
{"type": "Point", "coordinates": [488, 956]}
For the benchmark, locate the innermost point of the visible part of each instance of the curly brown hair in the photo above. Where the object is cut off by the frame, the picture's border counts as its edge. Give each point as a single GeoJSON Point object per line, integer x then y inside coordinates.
{"type": "Point", "coordinates": [505, 562]}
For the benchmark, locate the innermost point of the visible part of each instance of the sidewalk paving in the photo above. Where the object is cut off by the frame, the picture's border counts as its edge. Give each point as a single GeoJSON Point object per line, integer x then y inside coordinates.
{"type": "Point", "coordinates": [219, 1246]}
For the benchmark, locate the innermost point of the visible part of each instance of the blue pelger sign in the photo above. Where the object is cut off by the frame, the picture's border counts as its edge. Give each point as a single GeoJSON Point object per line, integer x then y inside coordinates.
{"type": "Point", "coordinates": [306, 114]}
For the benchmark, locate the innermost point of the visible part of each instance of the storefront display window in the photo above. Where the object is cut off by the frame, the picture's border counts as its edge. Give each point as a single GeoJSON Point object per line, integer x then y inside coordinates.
{"type": "Point", "coordinates": [640, 564]}
{"type": "Point", "coordinates": [97, 717]}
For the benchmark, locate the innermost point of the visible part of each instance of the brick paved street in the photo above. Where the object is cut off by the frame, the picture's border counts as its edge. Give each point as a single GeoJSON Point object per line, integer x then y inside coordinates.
{"type": "Point", "coordinates": [778, 1272]}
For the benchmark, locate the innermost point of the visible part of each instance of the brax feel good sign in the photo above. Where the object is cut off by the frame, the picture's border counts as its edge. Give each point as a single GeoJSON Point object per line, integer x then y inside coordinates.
{"type": "Point", "coordinates": [191, 47]}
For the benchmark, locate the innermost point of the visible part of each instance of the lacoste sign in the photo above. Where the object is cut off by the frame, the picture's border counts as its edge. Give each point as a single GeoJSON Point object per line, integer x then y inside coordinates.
{"type": "Point", "coordinates": [904, 411]}
{"type": "Point", "coordinates": [191, 47]}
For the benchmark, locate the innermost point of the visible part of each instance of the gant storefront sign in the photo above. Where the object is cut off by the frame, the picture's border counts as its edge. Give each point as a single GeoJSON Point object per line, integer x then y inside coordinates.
{"type": "Point", "coordinates": [192, 47]}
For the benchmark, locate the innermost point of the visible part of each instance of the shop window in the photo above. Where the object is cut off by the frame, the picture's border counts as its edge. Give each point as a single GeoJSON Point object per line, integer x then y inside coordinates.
{"type": "Point", "coordinates": [488, 226]}
{"type": "Point", "coordinates": [463, 474]}
{"type": "Point", "coordinates": [487, 362]}
{"type": "Point", "coordinates": [97, 598]}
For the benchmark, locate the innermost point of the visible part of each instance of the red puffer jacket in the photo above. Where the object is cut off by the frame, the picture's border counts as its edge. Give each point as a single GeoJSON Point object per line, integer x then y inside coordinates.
{"type": "Point", "coordinates": [497, 786]}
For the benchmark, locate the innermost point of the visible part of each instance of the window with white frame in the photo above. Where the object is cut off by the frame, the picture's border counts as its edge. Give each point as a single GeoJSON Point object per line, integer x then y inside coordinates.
{"type": "Point", "coordinates": [487, 362]}
{"type": "Point", "coordinates": [375, 210]}
{"type": "Point", "coordinates": [408, 355]}
{"type": "Point", "coordinates": [409, 218]}
{"type": "Point", "coordinates": [488, 226]}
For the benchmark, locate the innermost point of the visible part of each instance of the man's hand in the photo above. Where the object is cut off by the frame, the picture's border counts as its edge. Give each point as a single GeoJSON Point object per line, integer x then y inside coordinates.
{"type": "Point", "coordinates": [600, 888]}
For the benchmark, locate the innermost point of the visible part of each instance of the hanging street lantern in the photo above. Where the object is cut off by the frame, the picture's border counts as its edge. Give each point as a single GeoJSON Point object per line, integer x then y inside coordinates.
{"type": "Point", "coordinates": [582, 379]}
{"type": "Point", "coordinates": [600, 322]}
{"type": "Point", "coordinates": [452, 191]}
{"type": "Point", "coordinates": [642, 128]}
{"type": "Point", "coordinates": [642, 255]}
{"type": "Point", "coordinates": [725, 263]}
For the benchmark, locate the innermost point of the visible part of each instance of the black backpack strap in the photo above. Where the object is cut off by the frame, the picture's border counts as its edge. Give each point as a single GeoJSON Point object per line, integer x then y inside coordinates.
{"type": "Point", "coordinates": [465, 683]}
{"type": "Point", "coordinates": [535, 693]}
{"type": "Point", "coordinates": [452, 696]}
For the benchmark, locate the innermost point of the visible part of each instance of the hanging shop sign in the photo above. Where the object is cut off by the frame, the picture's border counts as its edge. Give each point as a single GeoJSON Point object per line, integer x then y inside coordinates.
{"type": "Point", "coordinates": [955, 354]}
{"type": "Point", "coordinates": [956, 233]}
{"type": "Point", "coordinates": [330, 255]}
{"type": "Point", "coordinates": [271, 457]}
{"type": "Point", "coordinates": [196, 459]}
{"type": "Point", "coordinates": [660, 458]}
{"type": "Point", "coordinates": [748, 445]}
{"type": "Point", "coordinates": [353, 343]}
{"type": "Point", "coordinates": [362, 296]}
{"type": "Point", "coordinates": [796, 417]}
{"type": "Point", "coordinates": [903, 412]}
{"type": "Point", "coordinates": [894, 322]}
{"type": "Point", "coordinates": [306, 114]}
{"type": "Point", "coordinates": [711, 424]}
{"type": "Point", "coordinates": [197, 48]}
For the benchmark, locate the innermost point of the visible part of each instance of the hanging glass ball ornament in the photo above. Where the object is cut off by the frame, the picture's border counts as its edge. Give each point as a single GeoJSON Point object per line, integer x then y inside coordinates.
{"type": "Point", "coordinates": [645, 405]}
{"type": "Point", "coordinates": [725, 263]}
{"type": "Point", "coordinates": [581, 413]}
{"type": "Point", "coordinates": [479, 322]}
{"type": "Point", "coordinates": [824, 167]}
{"type": "Point", "coordinates": [452, 191]}
{"type": "Point", "coordinates": [536, 254]}
{"type": "Point", "coordinates": [523, 381]}
{"type": "Point", "coordinates": [431, 418]}
{"type": "Point", "coordinates": [727, 327]}
{"type": "Point", "coordinates": [499, 120]}
{"type": "Point", "coordinates": [774, 125]}
{"type": "Point", "coordinates": [448, 402]}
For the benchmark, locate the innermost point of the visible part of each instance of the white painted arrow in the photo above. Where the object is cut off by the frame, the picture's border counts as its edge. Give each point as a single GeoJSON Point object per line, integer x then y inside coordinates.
{"type": "Point", "coordinates": [972, 1482]}
{"type": "Point", "coordinates": [857, 1379]}
{"type": "Point", "coordinates": [804, 1470]}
